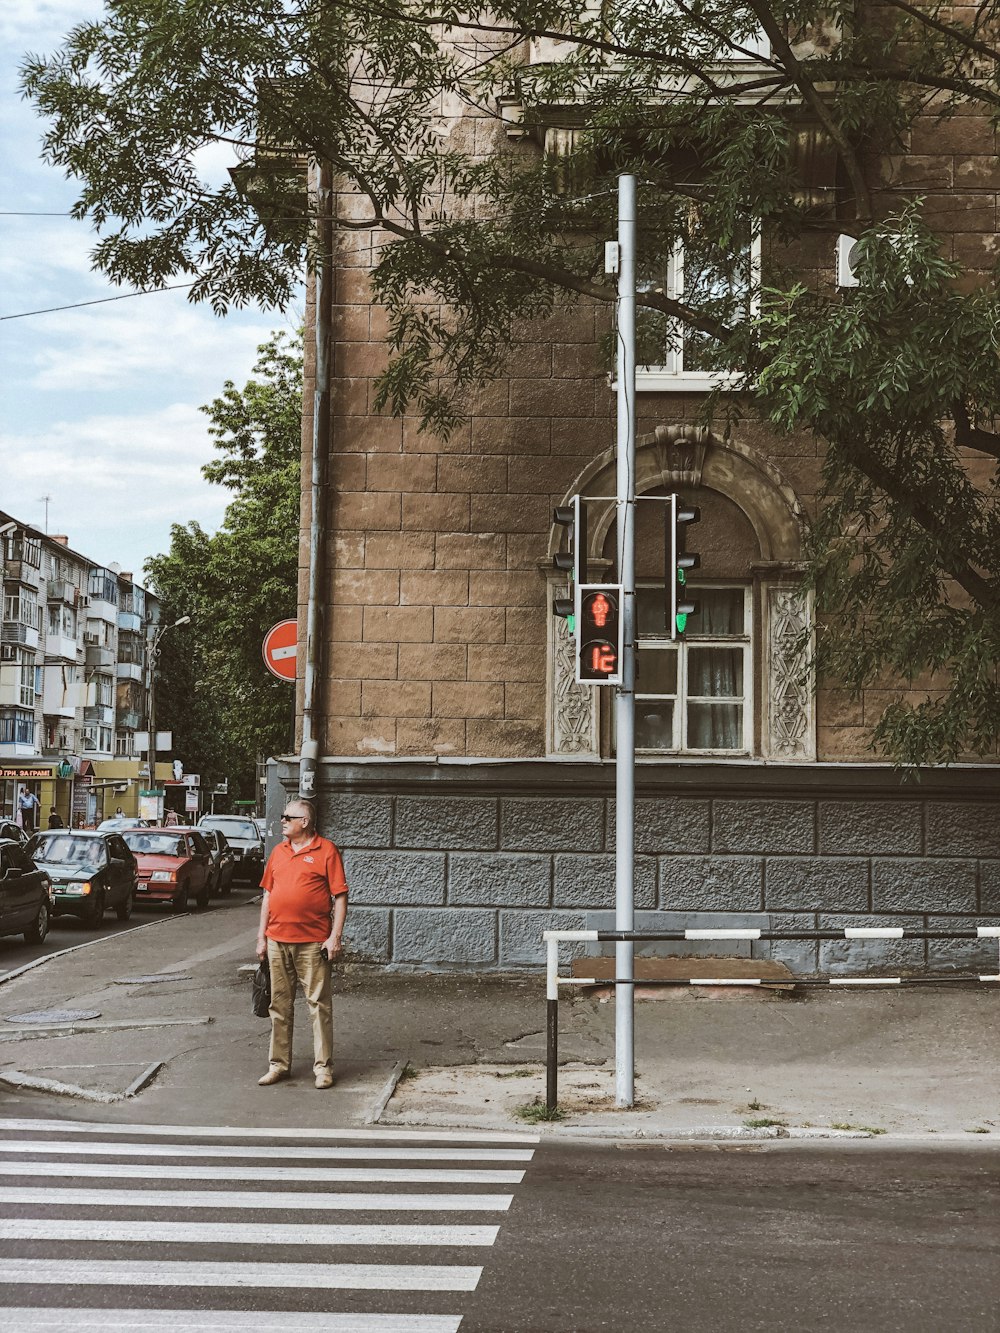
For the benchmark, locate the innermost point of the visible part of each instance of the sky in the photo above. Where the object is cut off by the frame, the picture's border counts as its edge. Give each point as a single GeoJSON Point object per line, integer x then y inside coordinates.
{"type": "Point", "coordinates": [98, 405]}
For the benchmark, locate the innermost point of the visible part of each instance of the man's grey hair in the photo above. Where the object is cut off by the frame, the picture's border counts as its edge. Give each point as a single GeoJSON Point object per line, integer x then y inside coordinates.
{"type": "Point", "coordinates": [310, 809]}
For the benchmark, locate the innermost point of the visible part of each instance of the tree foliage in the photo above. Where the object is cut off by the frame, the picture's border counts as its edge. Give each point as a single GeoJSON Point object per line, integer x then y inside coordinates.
{"type": "Point", "coordinates": [899, 377]}
{"type": "Point", "coordinates": [215, 693]}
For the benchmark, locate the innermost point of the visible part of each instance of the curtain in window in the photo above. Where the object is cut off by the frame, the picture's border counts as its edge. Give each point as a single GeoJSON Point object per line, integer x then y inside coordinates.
{"type": "Point", "coordinates": [716, 673]}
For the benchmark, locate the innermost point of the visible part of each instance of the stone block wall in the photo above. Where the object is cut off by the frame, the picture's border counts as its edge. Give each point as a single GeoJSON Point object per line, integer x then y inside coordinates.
{"type": "Point", "coordinates": [464, 865]}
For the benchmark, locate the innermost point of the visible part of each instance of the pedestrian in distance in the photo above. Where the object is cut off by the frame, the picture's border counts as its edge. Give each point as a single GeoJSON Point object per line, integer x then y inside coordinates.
{"type": "Point", "coordinates": [27, 806]}
{"type": "Point", "coordinates": [55, 819]}
{"type": "Point", "coordinates": [301, 932]}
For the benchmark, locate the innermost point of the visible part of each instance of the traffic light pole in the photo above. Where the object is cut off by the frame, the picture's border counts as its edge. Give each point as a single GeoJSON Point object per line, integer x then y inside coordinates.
{"type": "Point", "coordinates": [625, 694]}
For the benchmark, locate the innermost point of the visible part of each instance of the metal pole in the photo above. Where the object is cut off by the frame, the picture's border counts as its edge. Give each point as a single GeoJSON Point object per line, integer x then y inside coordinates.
{"type": "Point", "coordinates": [312, 682]}
{"type": "Point", "coordinates": [625, 695]}
{"type": "Point", "coordinates": [552, 1025]}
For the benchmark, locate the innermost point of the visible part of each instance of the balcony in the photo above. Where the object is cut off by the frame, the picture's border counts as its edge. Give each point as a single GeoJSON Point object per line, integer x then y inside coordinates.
{"type": "Point", "coordinates": [15, 631]}
{"type": "Point", "coordinates": [20, 571]}
{"type": "Point", "coordinates": [102, 610]}
{"type": "Point", "coordinates": [61, 590]}
{"type": "Point", "coordinates": [129, 622]}
{"type": "Point", "coordinates": [102, 714]}
{"type": "Point", "coordinates": [60, 648]}
{"type": "Point", "coordinates": [129, 720]}
{"type": "Point", "coordinates": [98, 658]}
{"type": "Point", "coordinates": [128, 671]}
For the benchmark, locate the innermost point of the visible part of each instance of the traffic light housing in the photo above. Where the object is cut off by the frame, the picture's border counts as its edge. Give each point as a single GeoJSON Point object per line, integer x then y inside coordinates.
{"type": "Point", "coordinates": [679, 563]}
{"type": "Point", "coordinates": [573, 560]}
{"type": "Point", "coordinates": [599, 634]}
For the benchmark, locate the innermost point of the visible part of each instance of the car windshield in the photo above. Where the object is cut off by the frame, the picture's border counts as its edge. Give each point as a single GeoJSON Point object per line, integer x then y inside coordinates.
{"type": "Point", "coordinates": [232, 828]}
{"type": "Point", "coordinates": [70, 852]}
{"type": "Point", "coordinates": [155, 844]}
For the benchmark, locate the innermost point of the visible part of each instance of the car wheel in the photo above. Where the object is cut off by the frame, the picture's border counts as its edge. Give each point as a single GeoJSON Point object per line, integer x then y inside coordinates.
{"type": "Point", "coordinates": [96, 914]}
{"type": "Point", "coordinates": [124, 909]}
{"type": "Point", "coordinates": [39, 928]}
{"type": "Point", "coordinates": [180, 903]}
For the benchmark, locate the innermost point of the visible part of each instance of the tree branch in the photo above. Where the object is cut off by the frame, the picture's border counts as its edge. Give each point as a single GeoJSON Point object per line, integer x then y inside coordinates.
{"type": "Point", "coordinates": [970, 436]}
{"type": "Point", "coordinates": [807, 88]}
{"type": "Point", "coordinates": [957, 34]}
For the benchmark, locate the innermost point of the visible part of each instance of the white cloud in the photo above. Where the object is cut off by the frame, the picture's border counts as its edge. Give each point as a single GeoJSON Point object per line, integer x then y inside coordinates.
{"type": "Point", "coordinates": [116, 483]}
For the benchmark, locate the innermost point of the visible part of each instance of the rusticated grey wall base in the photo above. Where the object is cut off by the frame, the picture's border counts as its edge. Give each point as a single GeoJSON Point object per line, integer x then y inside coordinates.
{"type": "Point", "coordinates": [462, 865]}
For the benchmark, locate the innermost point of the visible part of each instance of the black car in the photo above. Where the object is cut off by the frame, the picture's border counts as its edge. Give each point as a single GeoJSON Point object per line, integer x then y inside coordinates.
{"type": "Point", "coordinates": [223, 860]}
{"type": "Point", "coordinates": [244, 838]}
{"type": "Point", "coordinates": [11, 832]}
{"type": "Point", "coordinates": [25, 903]}
{"type": "Point", "coordinates": [89, 872]}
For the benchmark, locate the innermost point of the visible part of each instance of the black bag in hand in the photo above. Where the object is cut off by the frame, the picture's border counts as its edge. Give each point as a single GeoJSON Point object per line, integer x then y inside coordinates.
{"type": "Point", "coordinates": [261, 1002]}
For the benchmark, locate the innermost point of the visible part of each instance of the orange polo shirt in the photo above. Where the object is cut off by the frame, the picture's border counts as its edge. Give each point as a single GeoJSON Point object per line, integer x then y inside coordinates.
{"type": "Point", "coordinates": [300, 886]}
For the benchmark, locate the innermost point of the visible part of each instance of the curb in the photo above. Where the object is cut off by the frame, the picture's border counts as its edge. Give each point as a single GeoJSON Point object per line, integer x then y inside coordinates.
{"type": "Point", "coordinates": [382, 1100]}
{"type": "Point", "coordinates": [87, 944]}
{"type": "Point", "coordinates": [13, 1078]}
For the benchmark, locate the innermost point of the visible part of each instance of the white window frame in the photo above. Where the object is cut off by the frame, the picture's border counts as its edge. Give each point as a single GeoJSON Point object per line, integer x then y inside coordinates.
{"type": "Point", "coordinates": [671, 377]}
{"type": "Point", "coordinates": [680, 700]}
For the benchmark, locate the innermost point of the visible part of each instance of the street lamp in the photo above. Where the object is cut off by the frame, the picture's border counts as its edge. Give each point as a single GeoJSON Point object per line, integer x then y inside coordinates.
{"type": "Point", "coordinates": [154, 653]}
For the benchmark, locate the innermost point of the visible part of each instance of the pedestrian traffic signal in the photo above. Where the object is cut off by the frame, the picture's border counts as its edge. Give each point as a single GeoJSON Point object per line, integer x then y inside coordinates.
{"type": "Point", "coordinates": [679, 563]}
{"type": "Point", "coordinates": [572, 560]}
{"type": "Point", "coordinates": [599, 655]}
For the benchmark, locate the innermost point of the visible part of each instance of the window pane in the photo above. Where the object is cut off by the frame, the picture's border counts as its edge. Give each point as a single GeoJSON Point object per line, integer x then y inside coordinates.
{"type": "Point", "coordinates": [654, 725]}
{"type": "Point", "coordinates": [716, 672]}
{"type": "Point", "coordinates": [720, 611]}
{"type": "Point", "coordinates": [651, 612]}
{"type": "Point", "coordinates": [715, 727]}
{"type": "Point", "coordinates": [656, 671]}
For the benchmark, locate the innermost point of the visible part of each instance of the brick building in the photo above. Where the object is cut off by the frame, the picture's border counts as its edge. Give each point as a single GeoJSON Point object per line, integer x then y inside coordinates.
{"type": "Point", "coordinates": [470, 780]}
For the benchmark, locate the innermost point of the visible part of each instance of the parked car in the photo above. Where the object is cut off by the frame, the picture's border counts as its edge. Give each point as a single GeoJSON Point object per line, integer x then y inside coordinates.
{"type": "Point", "coordinates": [25, 894]}
{"type": "Point", "coordinates": [223, 860]}
{"type": "Point", "coordinates": [243, 836]}
{"type": "Point", "coordinates": [89, 872]}
{"type": "Point", "coordinates": [175, 865]}
{"type": "Point", "coordinates": [11, 832]}
{"type": "Point", "coordinates": [118, 823]}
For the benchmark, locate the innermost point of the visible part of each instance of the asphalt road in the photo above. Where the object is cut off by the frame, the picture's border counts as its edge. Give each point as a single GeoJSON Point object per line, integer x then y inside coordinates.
{"type": "Point", "coordinates": [856, 1238]}
{"type": "Point", "coordinates": [67, 931]}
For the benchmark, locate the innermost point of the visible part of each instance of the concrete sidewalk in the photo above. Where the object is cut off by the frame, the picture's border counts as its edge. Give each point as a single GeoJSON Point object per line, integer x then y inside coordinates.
{"type": "Point", "coordinates": [447, 1050]}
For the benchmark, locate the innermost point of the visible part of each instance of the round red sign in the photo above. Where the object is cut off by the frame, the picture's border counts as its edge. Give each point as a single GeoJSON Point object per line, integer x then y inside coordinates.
{"type": "Point", "coordinates": [280, 648]}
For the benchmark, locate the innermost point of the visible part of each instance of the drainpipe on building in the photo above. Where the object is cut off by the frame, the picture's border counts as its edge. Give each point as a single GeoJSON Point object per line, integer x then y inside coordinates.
{"type": "Point", "coordinates": [309, 754]}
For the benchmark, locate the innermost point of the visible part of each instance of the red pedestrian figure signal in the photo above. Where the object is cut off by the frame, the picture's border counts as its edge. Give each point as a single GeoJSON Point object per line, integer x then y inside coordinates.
{"type": "Point", "coordinates": [600, 635]}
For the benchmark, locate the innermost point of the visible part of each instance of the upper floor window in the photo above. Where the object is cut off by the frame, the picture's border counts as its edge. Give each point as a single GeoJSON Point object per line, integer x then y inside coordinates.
{"type": "Point", "coordinates": [693, 695]}
{"type": "Point", "coordinates": [723, 285]}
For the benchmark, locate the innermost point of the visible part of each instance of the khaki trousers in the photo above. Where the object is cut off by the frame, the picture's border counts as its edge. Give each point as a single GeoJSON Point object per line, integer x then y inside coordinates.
{"type": "Point", "coordinates": [291, 963]}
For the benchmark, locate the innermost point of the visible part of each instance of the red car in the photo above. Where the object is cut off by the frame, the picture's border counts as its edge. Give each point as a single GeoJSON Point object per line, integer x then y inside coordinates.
{"type": "Point", "coordinates": [175, 864]}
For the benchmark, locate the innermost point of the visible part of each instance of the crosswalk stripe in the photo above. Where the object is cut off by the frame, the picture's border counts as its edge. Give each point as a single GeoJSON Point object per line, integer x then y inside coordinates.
{"type": "Point", "coordinates": [39, 1319]}
{"type": "Point", "coordinates": [116, 1149]}
{"type": "Point", "coordinates": [309, 1277]}
{"type": "Point", "coordinates": [315, 1175]}
{"type": "Point", "coordinates": [286, 1201]}
{"type": "Point", "coordinates": [245, 1233]}
{"type": "Point", "coordinates": [21, 1125]}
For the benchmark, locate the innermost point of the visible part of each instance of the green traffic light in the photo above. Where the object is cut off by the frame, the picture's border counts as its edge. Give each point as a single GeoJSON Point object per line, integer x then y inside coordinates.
{"type": "Point", "coordinates": [682, 620]}
{"type": "Point", "coordinates": [571, 624]}
{"type": "Point", "coordinates": [681, 576]}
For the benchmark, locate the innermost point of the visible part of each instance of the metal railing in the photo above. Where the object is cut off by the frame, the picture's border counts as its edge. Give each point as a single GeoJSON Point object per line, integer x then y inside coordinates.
{"type": "Point", "coordinates": [553, 938]}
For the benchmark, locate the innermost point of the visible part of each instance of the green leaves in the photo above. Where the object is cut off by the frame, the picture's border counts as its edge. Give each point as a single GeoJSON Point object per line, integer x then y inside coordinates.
{"type": "Point", "coordinates": [215, 692]}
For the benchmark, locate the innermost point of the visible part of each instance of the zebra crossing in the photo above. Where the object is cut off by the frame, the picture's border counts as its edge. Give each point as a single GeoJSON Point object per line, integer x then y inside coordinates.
{"type": "Point", "coordinates": [217, 1227]}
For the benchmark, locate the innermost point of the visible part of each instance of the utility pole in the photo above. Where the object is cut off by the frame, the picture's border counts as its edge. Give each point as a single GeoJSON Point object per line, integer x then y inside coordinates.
{"type": "Point", "coordinates": [154, 654]}
{"type": "Point", "coordinates": [625, 694]}
{"type": "Point", "coordinates": [314, 674]}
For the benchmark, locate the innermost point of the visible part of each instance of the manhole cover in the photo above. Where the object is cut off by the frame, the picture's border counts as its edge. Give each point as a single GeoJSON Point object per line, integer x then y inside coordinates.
{"type": "Point", "coordinates": [153, 980]}
{"type": "Point", "coordinates": [54, 1016]}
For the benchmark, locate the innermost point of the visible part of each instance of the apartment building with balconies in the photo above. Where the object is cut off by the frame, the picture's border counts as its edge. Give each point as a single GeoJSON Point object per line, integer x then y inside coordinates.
{"type": "Point", "coordinates": [74, 672]}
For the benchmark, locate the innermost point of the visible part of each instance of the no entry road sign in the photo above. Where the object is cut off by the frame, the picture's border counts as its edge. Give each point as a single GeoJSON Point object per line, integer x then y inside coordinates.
{"type": "Point", "coordinates": [280, 646]}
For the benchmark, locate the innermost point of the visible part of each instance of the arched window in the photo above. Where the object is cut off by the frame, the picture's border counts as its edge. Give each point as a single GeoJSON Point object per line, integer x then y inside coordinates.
{"type": "Point", "coordinates": [735, 686]}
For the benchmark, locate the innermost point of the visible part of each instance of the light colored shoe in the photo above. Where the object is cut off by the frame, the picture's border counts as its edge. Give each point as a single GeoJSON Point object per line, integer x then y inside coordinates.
{"type": "Point", "coordinates": [273, 1075]}
{"type": "Point", "coordinates": [324, 1079]}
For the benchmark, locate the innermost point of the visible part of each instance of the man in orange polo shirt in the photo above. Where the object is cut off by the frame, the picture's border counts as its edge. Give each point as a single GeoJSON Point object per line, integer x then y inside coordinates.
{"type": "Point", "coordinates": [301, 928]}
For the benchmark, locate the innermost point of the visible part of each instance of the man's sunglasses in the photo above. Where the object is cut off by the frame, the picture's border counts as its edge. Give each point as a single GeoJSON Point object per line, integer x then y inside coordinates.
{"type": "Point", "coordinates": [285, 818]}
